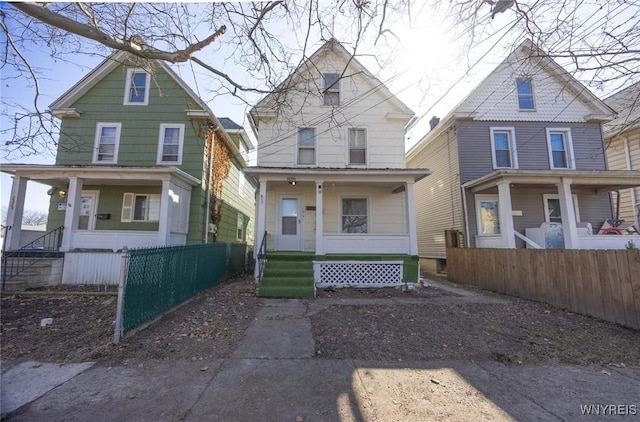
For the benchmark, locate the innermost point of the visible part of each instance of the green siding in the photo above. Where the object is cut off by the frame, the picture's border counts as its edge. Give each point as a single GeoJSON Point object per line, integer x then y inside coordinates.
{"type": "Point", "coordinates": [138, 146]}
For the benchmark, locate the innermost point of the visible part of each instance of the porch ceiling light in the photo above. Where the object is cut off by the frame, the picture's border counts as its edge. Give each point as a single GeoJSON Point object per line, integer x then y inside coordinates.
{"type": "Point", "coordinates": [291, 180]}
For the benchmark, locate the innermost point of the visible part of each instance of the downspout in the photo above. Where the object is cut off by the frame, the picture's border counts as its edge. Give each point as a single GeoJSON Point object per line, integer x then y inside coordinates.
{"type": "Point", "coordinates": [467, 238]}
{"type": "Point", "coordinates": [208, 189]}
{"type": "Point", "coordinates": [634, 203]}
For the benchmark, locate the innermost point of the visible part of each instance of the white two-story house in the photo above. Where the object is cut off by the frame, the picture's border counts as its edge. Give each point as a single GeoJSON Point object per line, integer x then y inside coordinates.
{"type": "Point", "coordinates": [332, 176]}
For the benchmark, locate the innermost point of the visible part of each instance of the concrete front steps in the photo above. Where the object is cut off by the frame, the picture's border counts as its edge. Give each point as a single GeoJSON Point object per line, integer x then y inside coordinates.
{"type": "Point", "coordinates": [288, 275]}
{"type": "Point", "coordinates": [40, 272]}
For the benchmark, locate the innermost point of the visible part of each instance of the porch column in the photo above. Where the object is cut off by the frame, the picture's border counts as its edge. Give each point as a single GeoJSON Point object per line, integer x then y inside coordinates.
{"type": "Point", "coordinates": [319, 220]}
{"type": "Point", "coordinates": [15, 211]}
{"type": "Point", "coordinates": [164, 223]}
{"type": "Point", "coordinates": [569, 226]}
{"type": "Point", "coordinates": [261, 224]}
{"type": "Point", "coordinates": [506, 215]}
{"type": "Point", "coordinates": [72, 213]}
{"type": "Point", "coordinates": [411, 218]}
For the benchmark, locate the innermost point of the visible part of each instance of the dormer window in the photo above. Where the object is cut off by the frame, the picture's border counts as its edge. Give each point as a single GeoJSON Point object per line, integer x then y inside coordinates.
{"type": "Point", "coordinates": [137, 87]}
{"type": "Point", "coordinates": [525, 94]}
{"type": "Point", "coordinates": [331, 89]}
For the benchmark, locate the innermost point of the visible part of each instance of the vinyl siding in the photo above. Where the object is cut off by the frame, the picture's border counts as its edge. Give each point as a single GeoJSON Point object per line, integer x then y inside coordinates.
{"type": "Point", "coordinates": [140, 124]}
{"type": "Point", "coordinates": [531, 146]}
{"type": "Point", "coordinates": [617, 159]}
{"type": "Point", "coordinates": [361, 106]}
{"type": "Point", "coordinates": [593, 208]}
{"type": "Point", "coordinates": [496, 97]}
{"type": "Point", "coordinates": [437, 197]}
{"type": "Point", "coordinates": [234, 204]}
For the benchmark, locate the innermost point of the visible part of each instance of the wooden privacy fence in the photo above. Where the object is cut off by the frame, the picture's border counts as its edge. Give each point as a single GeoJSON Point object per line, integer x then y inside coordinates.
{"type": "Point", "coordinates": [601, 283]}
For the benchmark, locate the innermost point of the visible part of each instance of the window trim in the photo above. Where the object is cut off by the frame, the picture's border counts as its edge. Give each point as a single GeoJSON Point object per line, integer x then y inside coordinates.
{"type": "Point", "coordinates": [518, 95]}
{"type": "Point", "coordinates": [132, 208]}
{"type": "Point", "coordinates": [315, 147]}
{"type": "Point", "coordinates": [545, 203]}
{"type": "Point", "coordinates": [366, 146]}
{"type": "Point", "coordinates": [513, 151]}
{"type": "Point", "coordinates": [336, 88]}
{"type": "Point", "coordinates": [369, 223]}
{"type": "Point", "coordinates": [482, 198]}
{"type": "Point", "coordinates": [161, 135]}
{"type": "Point", "coordinates": [571, 162]}
{"type": "Point", "coordinates": [96, 142]}
{"type": "Point", "coordinates": [127, 86]}
{"type": "Point", "coordinates": [240, 228]}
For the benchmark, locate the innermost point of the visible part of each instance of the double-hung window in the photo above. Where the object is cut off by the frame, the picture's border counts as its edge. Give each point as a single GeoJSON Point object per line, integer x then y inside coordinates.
{"type": "Point", "coordinates": [552, 211]}
{"type": "Point", "coordinates": [503, 147]}
{"type": "Point", "coordinates": [170, 143]}
{"type": "Point", "coordinates": [355, 215]}
{"type": "Point", "coordinates": [306, 145]}
{"type": "Point", "coordinates": [240, 228]}
{"type": "Point", "coordinates": [357, 146]}
{"type": "Point", "coordinates": [140, 207]}
{"type": "Point", "coordinates": [488, 216]}
{"type": "Point", "coordinates": [106, 144]}
{"type": "Point", "coordinates": [525, 94]}
{"type": "Point", "coordinates": [560, 149]}
{"type": "Point", "coordinates": [137, 87]}
{"type": "Point", "coordinates": [331, 89]}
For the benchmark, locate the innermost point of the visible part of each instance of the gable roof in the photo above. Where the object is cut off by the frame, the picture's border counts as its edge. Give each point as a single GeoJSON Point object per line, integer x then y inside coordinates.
{"type": "Point", "coordinates": [626, 103]}
{"type": "Point", "coordinates": [527, 51]}
{"type": "Point", "coordinates": [309, 64]}
{"type": "Point", "coordinates": [118, 58]}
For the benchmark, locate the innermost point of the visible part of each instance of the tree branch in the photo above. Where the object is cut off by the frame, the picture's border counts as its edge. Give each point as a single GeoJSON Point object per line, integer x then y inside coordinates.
{"type": "Point", "coordinates": [43, 14]}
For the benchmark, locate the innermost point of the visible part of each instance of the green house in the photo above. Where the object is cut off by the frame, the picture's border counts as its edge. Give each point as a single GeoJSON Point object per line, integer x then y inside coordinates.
{"type": "Point", "coordinates": [141, 161]}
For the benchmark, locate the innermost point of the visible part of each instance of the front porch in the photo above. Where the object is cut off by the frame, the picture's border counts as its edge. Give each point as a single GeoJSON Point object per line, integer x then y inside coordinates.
{"type": "Point", "coordinates": [358, 223]}
{"type": "Point", "coordinates": [107, 207]}
{"type": "Point", "coordinates": [547, 209]}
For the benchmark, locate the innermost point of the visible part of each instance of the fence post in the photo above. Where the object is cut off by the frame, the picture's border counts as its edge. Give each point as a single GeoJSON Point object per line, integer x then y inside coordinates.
{"type": "Point", "coordinates": [120, 307]}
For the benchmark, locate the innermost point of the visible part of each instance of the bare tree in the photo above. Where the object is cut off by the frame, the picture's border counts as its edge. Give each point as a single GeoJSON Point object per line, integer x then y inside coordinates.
{"type": "Point", "coordinates": [596, 40]}
{"type": "Point", "coordinates": [211, 37]}
{"type": "Point", "coordinates": [34, 218]}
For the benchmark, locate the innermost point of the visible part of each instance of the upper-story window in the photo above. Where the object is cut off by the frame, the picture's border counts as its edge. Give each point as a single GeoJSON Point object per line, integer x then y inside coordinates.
{"type": "Point", "coordinates": [107, 140]}
{"type": "Point", "coordinates": [503, 147]}
{"type": "Point", "coordinates": [306, 145]}
{"type": "Point", "coordinates": [331, 89]}
{"type": "Point", "coordinates": [170, 143]}
{"type": "Point", "coordinates": [357, 146]}
{"type": "Point", "coordinates": [525, 94]}
{"type": "Point", "coordinates": [137, 87]}
{"type": "Point", "coordinates": [560, 149]}
{"type": "Point", "coordinates": [241, 182]}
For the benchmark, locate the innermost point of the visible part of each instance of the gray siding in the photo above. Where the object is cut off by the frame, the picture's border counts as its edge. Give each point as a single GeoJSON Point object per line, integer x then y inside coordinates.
{"type": "Point", "coordinates": [593, 208]}
{"type": "Point", "coordinates": [438, 203]}
{"type": "Point", "coordinates": [531, 146]}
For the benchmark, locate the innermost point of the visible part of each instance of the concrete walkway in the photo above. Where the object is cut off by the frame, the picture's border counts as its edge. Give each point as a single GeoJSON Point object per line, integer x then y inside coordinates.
{"type": "Point", "coordinates": [273, 376]}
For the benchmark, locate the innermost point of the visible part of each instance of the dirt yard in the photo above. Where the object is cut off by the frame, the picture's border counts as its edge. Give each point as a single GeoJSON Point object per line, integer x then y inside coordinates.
{"type": "Point", "coordinates": [211, 325]}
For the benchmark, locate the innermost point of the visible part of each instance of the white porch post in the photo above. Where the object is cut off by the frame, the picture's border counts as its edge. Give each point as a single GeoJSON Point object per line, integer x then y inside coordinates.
{"type": "Point", "coordinates": [164, 223]}
{"type": "Point", "coordinates": [506, 215]}
{"type": "Point", "coordinates": [15, 211]}
{"type": "Point", "coordinates": [569, 226]}
{"type": "Point", "coordinates": [262, 221]}
{"type": "Point", "coordinates": [319, 221]}
{"type": "Point", "coordinates": [72, 213]}
{"type": "Point", "coordinates": [411, 218]}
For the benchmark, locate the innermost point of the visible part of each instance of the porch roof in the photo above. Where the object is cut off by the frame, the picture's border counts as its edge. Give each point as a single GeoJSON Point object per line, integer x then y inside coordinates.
{"type": "Point", "coordinates": [302, 174]}
{"type": "Point", "coordinates": [58, 176]}
{"type": "Point", "coordinates": [594, 180]}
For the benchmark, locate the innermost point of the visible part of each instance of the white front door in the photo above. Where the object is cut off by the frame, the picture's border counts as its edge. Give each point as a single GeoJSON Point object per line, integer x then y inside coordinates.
{"type": "Point", "coordinates": [88, 209]}
{"type": "Point", "coordinates": [289, 223]}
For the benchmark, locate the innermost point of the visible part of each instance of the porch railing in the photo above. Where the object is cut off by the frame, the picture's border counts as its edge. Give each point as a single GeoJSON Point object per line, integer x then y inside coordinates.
{"type": "Point", "coordinates": [262, 256]}
{"type": "Point", "coordinates": [19, 260]}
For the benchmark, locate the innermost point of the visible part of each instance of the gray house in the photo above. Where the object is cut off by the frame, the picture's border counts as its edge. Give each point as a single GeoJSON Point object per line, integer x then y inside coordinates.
{"type": "Point", "coordinates": [520, 162]}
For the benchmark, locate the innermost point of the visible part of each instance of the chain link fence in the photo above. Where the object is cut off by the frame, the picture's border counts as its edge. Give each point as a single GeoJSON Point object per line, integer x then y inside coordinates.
{"type": "Point", "coordinates": [155, 280]}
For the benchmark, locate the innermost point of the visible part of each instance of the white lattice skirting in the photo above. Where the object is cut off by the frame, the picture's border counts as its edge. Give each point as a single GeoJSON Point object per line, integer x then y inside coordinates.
{"type": "Point", "coordinates": [358, 273]}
